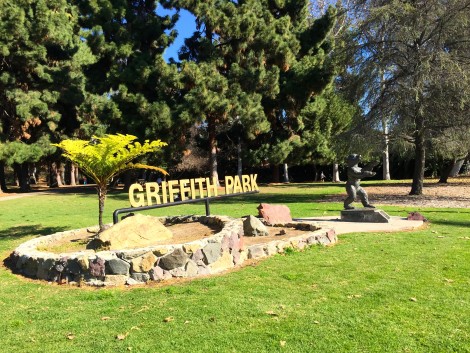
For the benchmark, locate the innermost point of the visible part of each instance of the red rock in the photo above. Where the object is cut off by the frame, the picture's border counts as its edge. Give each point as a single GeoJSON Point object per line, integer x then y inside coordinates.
{"type": "Point", "coordinates": [274, 214]}
{"type": "Point", "coordinates": [416, 216]}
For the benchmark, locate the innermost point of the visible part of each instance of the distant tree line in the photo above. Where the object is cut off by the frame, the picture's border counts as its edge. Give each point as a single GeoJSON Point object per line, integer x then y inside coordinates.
{"type": "Point", "coordinates": [260, 83]}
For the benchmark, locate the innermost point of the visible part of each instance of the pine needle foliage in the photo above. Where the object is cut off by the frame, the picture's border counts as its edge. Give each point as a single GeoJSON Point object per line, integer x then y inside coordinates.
{"type": "Point", "coordinates": [102, 158]}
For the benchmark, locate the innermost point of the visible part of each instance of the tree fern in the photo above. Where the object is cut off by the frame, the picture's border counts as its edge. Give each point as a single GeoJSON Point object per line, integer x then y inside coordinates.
{"type": "Point", "coordinates": [102, 158]}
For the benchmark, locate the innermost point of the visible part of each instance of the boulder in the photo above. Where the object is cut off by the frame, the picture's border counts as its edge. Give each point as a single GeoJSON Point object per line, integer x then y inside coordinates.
{"type": "Point", "coordinates": [253, 227]}
{"type": "Point", "coordinates": [117, 267]}
{"type": "Point", "coordinates": [134, 232]}
{"type": "Point", "coordinates": [97, 267]}
{"type": "Point", "coordinates": [416, 216]}
{"type": "Point", "coordinates": [212, 252]}
{"type": "Point", "coordinates": [140, 277]}
{"type": "Point", "coordinates": [274, 214]}
{"type": "Point", "coordinates": [177, 258]}
{"type": "Point", "coordinates": [144, 263]}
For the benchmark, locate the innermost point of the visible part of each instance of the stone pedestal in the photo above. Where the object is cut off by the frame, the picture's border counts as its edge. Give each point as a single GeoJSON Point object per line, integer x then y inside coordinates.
{"type": "Point", "coordinates": [370, 215]}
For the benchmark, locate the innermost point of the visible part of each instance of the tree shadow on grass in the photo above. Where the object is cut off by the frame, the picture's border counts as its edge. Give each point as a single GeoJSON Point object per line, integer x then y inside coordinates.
{"type": "Point", "coordinates": [24, 231]}
{"type": "Point", "coordinates": [452, 223]}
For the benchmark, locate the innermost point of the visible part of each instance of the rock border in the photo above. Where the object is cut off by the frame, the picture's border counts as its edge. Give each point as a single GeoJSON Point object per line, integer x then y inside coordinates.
{"type": "Point", "coordinates": [211, 255]}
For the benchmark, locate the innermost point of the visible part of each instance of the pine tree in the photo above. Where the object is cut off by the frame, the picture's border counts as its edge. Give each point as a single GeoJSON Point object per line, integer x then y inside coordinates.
{"type": "Point", "coordinates": [305, 70]}
{"type": "Point", "coordinates": [132, 89]}
{"type": "Point", "coordinates": [41, 57]}
{"type": "Point", "coordinates": [258, 62]}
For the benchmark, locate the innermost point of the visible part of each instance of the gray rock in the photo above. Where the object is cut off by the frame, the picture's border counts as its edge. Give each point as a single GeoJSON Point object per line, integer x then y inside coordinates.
{"type": "Point", "coordinates": [177, 258]}
{"type": "Point", "coordinates": [140, 276]}
{"type": "Point", "coordinates": [132, 282]}
{"type": "Point", "coordinates": [117, 267]}
{"type": "Point", "coordinates": [74, 267]}
{"type": "Point", "coordinates": [95, 283]}
{"type": "Point", "coordinates": [156, 274]}
{"type": "Point", "coordinates": [44, 268]}
{"type": "Point", "coordinates": [30, 268]}
{"type": "Point", "coordinates": [191, 269]}
{"type": "Point", "coordinates": [312, 240]}
{"type": "Point", "coordinates": [178, 272]}
{"type": "Point", "coordinates": [256, 252]}
{"type": "Point", "coordinates": [253, 227]}
{"type": "Point", "coordinates": [117, 280]}
{"type": "Point", "coordinates": [212, 252]}
{"type": "Point", "coordinates": [198, 255]}
{"type": "Point", "coordinates": [271, 248]}
{"type": "Point", "coordinates": [236, 257]}
{"type": "Point", "coordinates": [167, 274]}
{"type": "Point", "coordinates": [204, 270]}
{"type": "Point", "coordinates": [365, 215]}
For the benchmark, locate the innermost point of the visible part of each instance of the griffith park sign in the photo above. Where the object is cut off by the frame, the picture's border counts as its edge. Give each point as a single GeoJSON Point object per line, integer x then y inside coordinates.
{"type": "Point", "coordinates": [197, 188]}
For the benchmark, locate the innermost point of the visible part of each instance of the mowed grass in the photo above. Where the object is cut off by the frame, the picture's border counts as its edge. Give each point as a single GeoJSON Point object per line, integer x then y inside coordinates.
{"type": "Point", "coordinates": [372, 292]}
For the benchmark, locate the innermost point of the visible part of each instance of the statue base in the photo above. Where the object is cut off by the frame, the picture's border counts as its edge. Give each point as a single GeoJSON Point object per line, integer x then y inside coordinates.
{"type": "Point", "coordinates": [370, 215]}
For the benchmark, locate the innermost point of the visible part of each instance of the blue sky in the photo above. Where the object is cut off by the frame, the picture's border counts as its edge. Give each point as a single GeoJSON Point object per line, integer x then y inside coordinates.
{"type": "Point", "coordinates": [185, 26]}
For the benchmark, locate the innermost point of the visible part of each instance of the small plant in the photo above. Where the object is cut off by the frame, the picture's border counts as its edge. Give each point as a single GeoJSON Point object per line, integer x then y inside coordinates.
{"type": "Point", "coordinates": [289, 251]}
{"type": "Point", "coordinates": [102, 158]}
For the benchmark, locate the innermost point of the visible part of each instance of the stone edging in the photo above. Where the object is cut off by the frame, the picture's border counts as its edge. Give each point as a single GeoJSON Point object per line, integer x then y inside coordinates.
{"type": "Point", "coordinates": [221, 251]}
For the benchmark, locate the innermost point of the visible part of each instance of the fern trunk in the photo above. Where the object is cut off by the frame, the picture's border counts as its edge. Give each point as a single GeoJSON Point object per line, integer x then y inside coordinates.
{"type": "Point", "coordinates": [102, 190]}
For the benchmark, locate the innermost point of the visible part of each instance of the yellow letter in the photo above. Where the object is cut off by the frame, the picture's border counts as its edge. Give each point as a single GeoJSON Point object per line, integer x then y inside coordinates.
{"type": "Point", "coordinates": [193, 189]}
{"type": "Point", "coordinates": [254, 185]}
{"type": "Point", "coordinates": [199, 181]}
{"type": "Point", "coordinates": [237, 186]}
{"type": "Point", "coordinates": [213, 187]}
{"type": "Point", "coordinates": [132, 200]}
{"type": "Point", "coordinates": [154, 193]}
{"type": "Point", "coordinates": [246, 183]}
{"type": "Point", "coordinates": [164, 193]}
{"type": "Point", "coordinates": [228, 184]}
{"type": "Point", "coordinates": [184, 188]}
{"type": "Point", "coordinates": [171, 190]}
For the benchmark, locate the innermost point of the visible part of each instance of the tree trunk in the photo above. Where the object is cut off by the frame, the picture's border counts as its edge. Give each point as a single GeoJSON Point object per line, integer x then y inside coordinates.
{"type": "Point", "coordinates": [445, 171]}
{"type": "Point", "coordinates": [22, 173]}
{"type": "Point", "coordinates": [385, 147]}
{"type": "Point", "coordinates": [286, 173]}
{"type": "Point", "coordinates": [316, 173]}
{"type": "Point", "coordinates": [239, 158]}
{"type": "Point", "coordinates": [3, 183]}
{"type": "Point", "coordinates": [73, 169]}
{"type": "Point", "coordinates": [275, 173]}
{"type": "Point", "coordinates": [456, 168]}
{"type": "Point", "coordinates": [213, 151]}
{"type": "Point", "coordinates": [420, 159]}
{"type": "Point", "coordinates": [385, 152]}
{"type": "Point", "coordinates": [336, 178]}
{"type": "Point", "coordinates": [101, 198]}
{"type": "Point", "coordinates": [56, 174]}
{"type": "Point", "coordinates": [62, 174]}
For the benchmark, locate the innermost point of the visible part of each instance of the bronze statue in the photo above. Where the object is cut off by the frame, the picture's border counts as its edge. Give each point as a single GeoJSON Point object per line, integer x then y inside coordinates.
{"type": "Point", "coordinates": [353, 185]}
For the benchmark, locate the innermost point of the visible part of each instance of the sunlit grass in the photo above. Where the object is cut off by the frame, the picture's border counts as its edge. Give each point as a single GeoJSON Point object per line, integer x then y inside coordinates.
{"type": "Point", "coordinates": [372, 292]}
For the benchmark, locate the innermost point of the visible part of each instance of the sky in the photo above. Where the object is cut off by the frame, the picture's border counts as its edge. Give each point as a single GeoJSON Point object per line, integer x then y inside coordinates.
{"type": "Point", "coordinates": [185, 26]}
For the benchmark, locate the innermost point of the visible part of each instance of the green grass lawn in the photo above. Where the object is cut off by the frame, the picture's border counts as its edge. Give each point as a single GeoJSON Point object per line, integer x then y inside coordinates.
{"type": "Point", "coordinates": [390, 292]}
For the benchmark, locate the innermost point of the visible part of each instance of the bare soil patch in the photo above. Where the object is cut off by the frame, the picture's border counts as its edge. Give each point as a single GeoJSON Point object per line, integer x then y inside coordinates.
{"type": "Point", "coordinates": [182, 233]}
